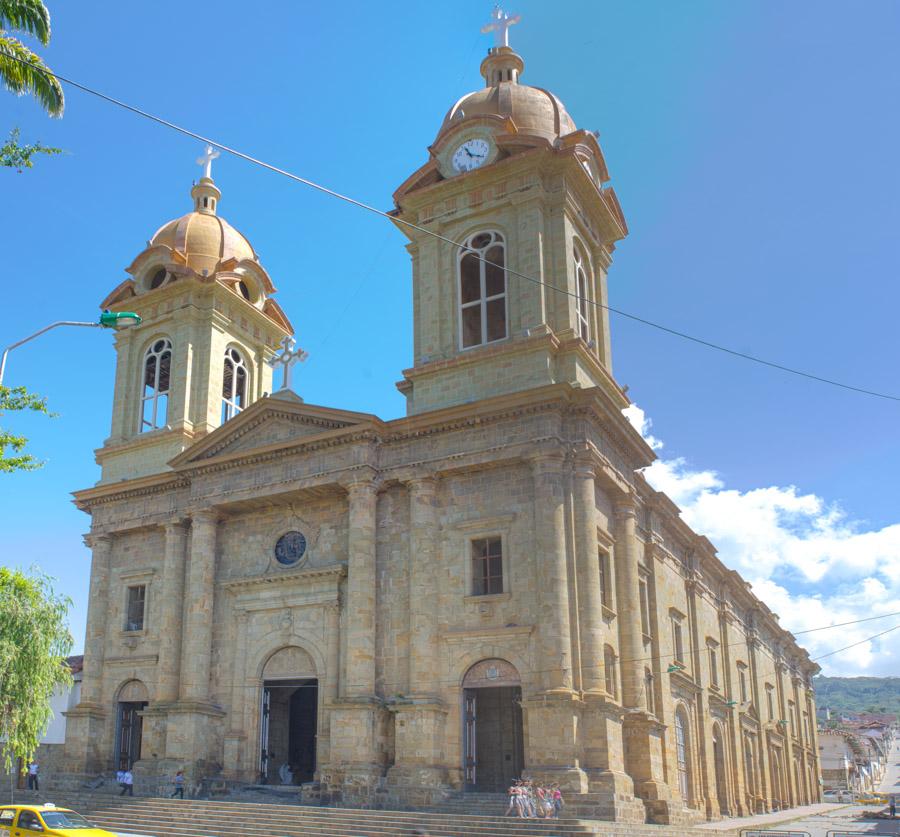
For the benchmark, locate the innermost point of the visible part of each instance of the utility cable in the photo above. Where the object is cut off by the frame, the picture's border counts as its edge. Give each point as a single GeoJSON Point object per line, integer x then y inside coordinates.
{"type": "Point", "coordinates": [411, 225]}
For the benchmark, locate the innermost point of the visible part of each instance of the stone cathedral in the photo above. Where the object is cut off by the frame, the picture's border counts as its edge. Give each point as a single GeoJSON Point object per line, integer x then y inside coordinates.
{"type": "Point", "coordinates": [391, 612]}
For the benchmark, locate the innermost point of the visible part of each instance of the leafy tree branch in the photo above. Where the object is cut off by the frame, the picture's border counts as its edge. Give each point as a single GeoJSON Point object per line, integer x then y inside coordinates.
{"type": "Point", "coordinates": [13, 155]}
{"type": "Point", "coordinates": [13, 400]}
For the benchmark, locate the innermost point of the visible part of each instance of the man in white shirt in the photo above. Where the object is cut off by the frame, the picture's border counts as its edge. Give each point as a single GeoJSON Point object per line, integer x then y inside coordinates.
{"type": "Point", "coordinates": [127, 783]}
{"type": "Point", "coordinates": [33, 776]}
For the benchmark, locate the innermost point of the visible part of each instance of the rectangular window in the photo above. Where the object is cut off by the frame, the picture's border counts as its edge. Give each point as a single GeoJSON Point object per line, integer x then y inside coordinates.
{"type": "Point", "coordinates": [606, 595]}
{"type": "Point", "coordinates": [134, 616]}
{"type": "Point", "coordinates": [649, 691]}
{"type": "Point", "coordinates": [742, 681]}
{"type": "Point", "coordinates": [712, 646]}
{"type": "Point", "coordinates": [487, 566]}
{"type": "Point", "coordinates": [609, 672]}
{"type": "Point", "coordinates": [645, 609]}
{"type": "Point", "coordinates": [678, 639]}
{"type": "Point", "coordinates": [770, 701]}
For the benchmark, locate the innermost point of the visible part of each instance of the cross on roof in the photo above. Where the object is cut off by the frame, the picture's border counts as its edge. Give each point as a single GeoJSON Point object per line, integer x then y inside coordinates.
{"type": "Point", "coordinates": [206, 160]}
{"type": "Point", "coordinates": [499, 25]}
{"type": "Point", "coordinates": [288, 357]}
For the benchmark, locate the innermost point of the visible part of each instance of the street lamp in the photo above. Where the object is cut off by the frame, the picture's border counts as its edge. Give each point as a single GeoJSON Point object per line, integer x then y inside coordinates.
{"type": "Point", "coordinates": [108, 319]}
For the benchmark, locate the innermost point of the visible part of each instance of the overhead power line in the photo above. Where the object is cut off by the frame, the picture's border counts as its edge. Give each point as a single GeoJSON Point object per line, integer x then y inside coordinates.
{"type": "Point", "coordinates": [411, 225]}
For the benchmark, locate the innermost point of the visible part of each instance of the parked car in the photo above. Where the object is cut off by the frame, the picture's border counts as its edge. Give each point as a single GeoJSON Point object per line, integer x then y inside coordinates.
{"type": "Point", "coordinates": [46, 820]}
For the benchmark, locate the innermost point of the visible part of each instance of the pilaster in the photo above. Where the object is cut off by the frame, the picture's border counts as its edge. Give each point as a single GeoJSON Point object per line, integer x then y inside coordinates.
{"type": "Point", "coordinates": [590, 608]}
{"type": "Point", "coordinates": [196, 649]}
{"type": "Point", "coordinates": [549, 537]}
{"type": "Point", "coordinates": [170, 629]}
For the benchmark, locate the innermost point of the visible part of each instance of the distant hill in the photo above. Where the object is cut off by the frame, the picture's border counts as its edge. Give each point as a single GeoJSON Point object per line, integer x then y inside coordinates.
{"type": "Point", "coordinates": [858, 694]}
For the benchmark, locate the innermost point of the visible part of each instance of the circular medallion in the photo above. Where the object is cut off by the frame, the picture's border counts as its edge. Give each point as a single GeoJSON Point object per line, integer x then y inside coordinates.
{"type": "Point", "coordinates": [290, 548]}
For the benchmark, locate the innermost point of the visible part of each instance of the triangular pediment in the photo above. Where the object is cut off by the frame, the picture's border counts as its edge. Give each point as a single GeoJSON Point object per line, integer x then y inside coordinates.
{"type": "Point", "coordinates": [280, 420]}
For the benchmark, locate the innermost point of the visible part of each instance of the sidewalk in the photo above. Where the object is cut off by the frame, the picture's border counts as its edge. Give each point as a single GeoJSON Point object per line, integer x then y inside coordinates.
{"type": "Point", "coordinates": [770, 820]}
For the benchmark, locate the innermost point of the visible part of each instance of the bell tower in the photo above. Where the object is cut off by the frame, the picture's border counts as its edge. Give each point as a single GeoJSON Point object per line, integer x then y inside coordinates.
{"type": "Point", "coordinates": [202, 352]}
{"type": "Point", "coordinates": [515, 302]}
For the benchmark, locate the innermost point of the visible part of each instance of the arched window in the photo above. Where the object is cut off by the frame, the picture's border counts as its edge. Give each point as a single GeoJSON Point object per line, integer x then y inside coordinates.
{"type": "Point", "coordinates": [482, 290]}
{"type": "Point", "coordinates": [682, 754]}
{"type": "Point", "coordinates": [609, 672]}
{"type": "Point", "coordinates": [234, 384]}
{"type": "Point", "coordinates": [581, 287]}
{"type": "Point", "coordinates": [158, 278]}
{"type": "Point", "coordinates": [155, 395]}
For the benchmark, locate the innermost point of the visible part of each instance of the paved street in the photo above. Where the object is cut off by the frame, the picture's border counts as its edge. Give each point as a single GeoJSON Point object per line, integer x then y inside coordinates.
{"type": "Point", "coordinates": [815, 820]}
{"type": "Point", "coordinates": [891, 783]}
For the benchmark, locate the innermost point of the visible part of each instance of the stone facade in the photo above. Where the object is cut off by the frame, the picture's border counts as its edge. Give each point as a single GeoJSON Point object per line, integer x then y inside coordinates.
{"type": "Point", "coordinates": [500, 536]}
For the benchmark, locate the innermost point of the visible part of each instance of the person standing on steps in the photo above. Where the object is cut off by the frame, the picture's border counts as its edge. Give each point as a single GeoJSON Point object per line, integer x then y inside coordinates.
{"type": "Point", "coordinates": [127, 783]}
{"type": "Point", "coordinates": [557, 801]}
{"type": "Point", "coordinates": [179, 785]}
{"type": "Point", "coordinates": [33, 776]}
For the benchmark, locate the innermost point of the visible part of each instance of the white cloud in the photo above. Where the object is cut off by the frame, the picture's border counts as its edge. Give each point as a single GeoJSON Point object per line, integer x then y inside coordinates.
{"type": "Point", "coordinates": [806, 559]}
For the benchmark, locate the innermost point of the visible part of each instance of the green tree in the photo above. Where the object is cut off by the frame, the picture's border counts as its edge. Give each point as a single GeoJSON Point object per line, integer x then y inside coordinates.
{"type": "Point", "coordinates": [16, 156]}
{"type": "Point", "coordinates": [23, 71]}
{"type": "Point", "coordinates": [14, 399]}
{"type": "Point", "coordinates": [34, 643]}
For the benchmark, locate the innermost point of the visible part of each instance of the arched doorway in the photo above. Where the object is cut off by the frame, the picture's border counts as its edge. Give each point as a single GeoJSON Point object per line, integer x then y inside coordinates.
{"type": "Point", "coordinates": [493, 748]}
{"type": "Point", "coordinates": [721, 773]}
{"type": "Point", "coordinates": [288, 718]}
{"type": "Point", "coordinates": [131, 700]}
{"type": "Point", "coordinates": [778, 797]}
{"type": "Point", "coordinates": [682, 756]}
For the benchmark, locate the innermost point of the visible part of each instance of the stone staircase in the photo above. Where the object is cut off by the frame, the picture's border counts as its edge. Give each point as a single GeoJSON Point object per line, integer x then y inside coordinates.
{"type": "Point", "coordinates": [195, 818]}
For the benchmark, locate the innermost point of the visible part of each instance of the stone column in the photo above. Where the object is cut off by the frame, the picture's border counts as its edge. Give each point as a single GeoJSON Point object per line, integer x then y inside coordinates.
{"type": "Point", "coordinates": [357, 718]}
{"type": "Point", "coordinates": [553, 714]}
{"type": "Point", "coordinates": [196, 648]}
{"type": "Point", "coordinates": [98, 608]}
{"type": "Point", "coordinates": [419, 770]}
{"type": "Point", "coordinates": [643, 735]}
{"type": "Point", "coordinates": [550, 545]}
{"type": "Point", "coordinates": [628, 607]}
{"type": "Point", "coordinates": [236, 766]}
{"type": "Point", "coordinates": [423, 531]}
{"type": "Point", "coordinates": [191, 732]}
{"type": "Point", "coordinates": [361, 583]}
{"type": "Point", "coordinates": [590, 609]}
{"type": "Point", "coordinates": [170, 628]}
{"type": "Point", "coordinates": [86, 723]}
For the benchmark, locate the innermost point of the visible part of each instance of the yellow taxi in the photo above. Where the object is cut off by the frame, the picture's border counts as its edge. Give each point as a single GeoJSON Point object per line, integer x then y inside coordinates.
{"type": "Point", "coordinates": [27, 820]}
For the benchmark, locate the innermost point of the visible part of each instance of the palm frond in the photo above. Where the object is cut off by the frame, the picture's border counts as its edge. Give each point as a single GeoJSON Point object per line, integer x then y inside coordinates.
{"type": "Point", "coordinates": [24, 72]}
{"type": "Point", "coordinates": [29, 16]}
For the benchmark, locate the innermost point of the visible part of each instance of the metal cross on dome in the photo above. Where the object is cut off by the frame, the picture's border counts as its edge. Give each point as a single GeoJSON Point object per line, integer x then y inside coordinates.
{"type": "Point", "coordinates": [288, 357]}
{"type": "Point", "coordinates": [206, 160]}
{"type": "Point", "coordinates": [499, 25]}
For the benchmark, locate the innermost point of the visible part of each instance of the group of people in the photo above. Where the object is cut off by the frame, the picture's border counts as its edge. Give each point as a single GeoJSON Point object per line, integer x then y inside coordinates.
{"type": "Point", "coordinates": [125, 780]}
{"type": "Point", "coordinates": [526, 799]}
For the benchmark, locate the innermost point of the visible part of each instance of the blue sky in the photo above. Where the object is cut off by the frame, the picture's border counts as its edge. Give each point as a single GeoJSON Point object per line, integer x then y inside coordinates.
{"type": "Point", "coordinates": [753, 149]}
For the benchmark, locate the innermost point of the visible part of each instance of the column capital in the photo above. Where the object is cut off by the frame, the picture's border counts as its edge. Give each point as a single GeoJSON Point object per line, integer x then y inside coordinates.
{"type": "Point", "coordinates": [176, 525]}
{"type": "Point", "coordinates": [361, 481]}
{"type": "Point", "coordinates": [97, 541]}
{"type": "Point", "coordinates": [626, 508]}
{"type": "Point", "coordinates": [207, 515]}
{"type": "Point", "coordinates": [422, 482]}
{"type": "Point", "coordinates": [584, 465]}
{"type": "Point", "coordinates": [547, 461]}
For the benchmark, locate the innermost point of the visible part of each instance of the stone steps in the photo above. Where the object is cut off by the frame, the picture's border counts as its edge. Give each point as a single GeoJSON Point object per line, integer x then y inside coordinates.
{"type": "Point", "coordinates": [195, 818]}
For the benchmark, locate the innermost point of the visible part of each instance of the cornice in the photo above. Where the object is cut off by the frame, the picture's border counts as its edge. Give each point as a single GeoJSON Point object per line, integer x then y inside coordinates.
{"type": "Point", "coordinates": [333, 571]}
{"type": "Point", "coordinates": [141, 487]}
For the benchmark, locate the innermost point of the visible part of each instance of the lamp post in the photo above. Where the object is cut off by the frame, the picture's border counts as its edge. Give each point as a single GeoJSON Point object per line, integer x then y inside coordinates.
{"type": "Point", "coordinates": [108, 319]}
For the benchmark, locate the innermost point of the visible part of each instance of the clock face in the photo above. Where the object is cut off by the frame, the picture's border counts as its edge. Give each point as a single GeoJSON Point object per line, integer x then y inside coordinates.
{"type": "Point", "coordinates": [290, 548]}
{"type": "Point", "coordinates": [471, 154]}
